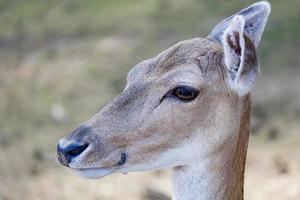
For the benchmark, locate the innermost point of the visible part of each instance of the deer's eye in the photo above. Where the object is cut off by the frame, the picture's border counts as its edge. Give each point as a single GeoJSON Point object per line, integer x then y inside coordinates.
{"type": "Point", "coordinates": [185, 93]}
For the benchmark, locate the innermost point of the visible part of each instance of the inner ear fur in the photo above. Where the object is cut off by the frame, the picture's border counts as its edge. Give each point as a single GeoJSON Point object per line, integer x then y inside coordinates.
{"type": "Point", "coordinates": [240, 57]}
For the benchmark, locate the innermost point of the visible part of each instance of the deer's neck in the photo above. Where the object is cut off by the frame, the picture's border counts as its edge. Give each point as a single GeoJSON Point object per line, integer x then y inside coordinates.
{"type": "Point", "coordinates": [220, 176]}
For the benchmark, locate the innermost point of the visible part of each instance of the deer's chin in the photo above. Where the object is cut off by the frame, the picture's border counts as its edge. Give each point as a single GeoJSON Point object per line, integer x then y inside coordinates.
{"type": "Point", "coordinates": [93, 173]}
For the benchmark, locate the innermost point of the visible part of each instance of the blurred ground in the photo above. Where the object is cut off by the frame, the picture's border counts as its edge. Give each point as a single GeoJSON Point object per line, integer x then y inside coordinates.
{"type": "Point", "coordinates": [61, 61]}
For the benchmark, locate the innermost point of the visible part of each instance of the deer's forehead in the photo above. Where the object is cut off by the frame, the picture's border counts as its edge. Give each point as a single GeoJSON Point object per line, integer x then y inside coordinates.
{"type": "Point", "coordinates": [178, 56]}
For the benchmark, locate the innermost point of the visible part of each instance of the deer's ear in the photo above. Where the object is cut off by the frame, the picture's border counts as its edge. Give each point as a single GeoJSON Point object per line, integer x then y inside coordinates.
{"type": "Point", "coordinates": [239, 36]}
{"type": "Point", "coordinates": [255, 17]}
{"type": "Point", "coordinates": [239, 57]}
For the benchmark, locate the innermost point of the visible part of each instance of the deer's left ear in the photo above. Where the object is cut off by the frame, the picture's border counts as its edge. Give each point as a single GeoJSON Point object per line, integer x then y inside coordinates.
{"type": "Point", "coordinates": [240, 35]}
{"type": "Point", "coordinates": [238, 49]}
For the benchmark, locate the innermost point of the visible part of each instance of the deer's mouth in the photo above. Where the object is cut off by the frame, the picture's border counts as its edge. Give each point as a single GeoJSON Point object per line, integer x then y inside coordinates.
{"type": "Point", "coordinates": [99, 172]}
{"type": "Point", "coordinates": [94, 173]}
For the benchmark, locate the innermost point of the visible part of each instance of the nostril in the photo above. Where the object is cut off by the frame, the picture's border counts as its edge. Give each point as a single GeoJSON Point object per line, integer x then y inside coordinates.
{"type": "Point", "coordinates": [74, 151]}
{"type": "Point", "coordinates": [66, 154]}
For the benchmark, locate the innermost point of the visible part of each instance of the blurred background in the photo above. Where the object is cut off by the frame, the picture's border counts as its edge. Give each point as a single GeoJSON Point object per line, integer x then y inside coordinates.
{"type": "Point", "coordinates": [62, 60]}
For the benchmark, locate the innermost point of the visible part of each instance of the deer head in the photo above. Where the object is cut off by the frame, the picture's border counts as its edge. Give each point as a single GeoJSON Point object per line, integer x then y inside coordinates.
{"type": "Point", "coordinates": [179, 108]}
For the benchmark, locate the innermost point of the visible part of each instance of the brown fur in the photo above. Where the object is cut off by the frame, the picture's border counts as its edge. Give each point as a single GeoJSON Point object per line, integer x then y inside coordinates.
{"type": "Point", "coordinates": [139, 123]}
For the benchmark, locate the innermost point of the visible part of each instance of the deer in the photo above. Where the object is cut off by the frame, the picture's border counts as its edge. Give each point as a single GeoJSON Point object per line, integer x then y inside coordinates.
{"type": "Point", "coordinates": [187, 109]}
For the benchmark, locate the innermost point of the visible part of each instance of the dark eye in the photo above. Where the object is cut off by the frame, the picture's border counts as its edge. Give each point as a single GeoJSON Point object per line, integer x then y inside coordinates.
{"type": "Point", "coordinates": [185, 93]}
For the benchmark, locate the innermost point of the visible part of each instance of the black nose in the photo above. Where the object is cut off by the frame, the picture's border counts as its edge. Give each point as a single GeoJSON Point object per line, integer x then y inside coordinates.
{"type": "Point", "coordinates": [66, 154]}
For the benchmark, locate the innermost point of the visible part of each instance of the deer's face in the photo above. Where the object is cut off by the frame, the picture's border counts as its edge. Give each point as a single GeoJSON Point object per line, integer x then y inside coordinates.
{"type": "Point", "coordinates": [172, 103]}
{"type": "Point", "coordinates": [177, 108]}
